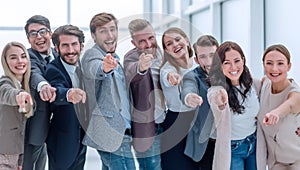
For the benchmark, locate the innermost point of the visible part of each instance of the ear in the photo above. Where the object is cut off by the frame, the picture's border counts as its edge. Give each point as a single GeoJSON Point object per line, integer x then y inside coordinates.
{"type": "Point", "coordinates": [93, 36]}
{"type": "Point", "coordinates": [133, 43]}
{"type": "Point", "coordinates": [196, 60]}
{"type": "Point", "coordinates": [56, 48]}
{"type": "Point", "coordinates": [289, 66]}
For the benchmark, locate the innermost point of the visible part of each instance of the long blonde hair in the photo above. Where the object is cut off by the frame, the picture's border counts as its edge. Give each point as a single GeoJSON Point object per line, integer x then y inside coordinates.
{"type": "Point", "coordinates": [11, 75]}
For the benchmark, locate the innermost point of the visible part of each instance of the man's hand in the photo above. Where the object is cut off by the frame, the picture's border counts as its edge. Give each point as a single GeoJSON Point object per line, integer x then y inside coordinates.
{"type": "Point", "coordinates": [48, 93]}
{"type": "Point", "coordinates": [109, 63]}
{"type": "Point", "coordinates": [193, 100]}
{"type": "Point", "coordinates": [145, 62]}
{"type": "Point", "coordinates": [75, 95]}
{"type": "Point", "coordinates": [173, 78]}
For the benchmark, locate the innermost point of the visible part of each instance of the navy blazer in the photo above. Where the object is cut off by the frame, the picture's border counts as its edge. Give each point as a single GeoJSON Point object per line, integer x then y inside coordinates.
{"type": "Point", "coordinates": [65, 133]}
{"type": "Point", "coordinates": [37, 126]}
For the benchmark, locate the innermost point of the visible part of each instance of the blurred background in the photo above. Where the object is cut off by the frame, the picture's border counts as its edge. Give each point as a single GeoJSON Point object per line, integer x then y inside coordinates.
{"type": "Point", "coordinates": [253, 24]}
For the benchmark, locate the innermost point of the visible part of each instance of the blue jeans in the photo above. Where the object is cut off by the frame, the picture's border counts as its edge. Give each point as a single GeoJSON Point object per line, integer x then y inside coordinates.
{"type": "Point", "coordinates": [150, 160]}
{"type": "Point", "coordinates": [243, 153]}
{"type": "Point", "coordinates": [121, 159]}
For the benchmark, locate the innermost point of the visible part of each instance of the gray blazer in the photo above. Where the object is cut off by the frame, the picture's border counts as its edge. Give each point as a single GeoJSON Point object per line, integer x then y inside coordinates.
{"type": "Point", "coordinates": [37, 126]}
{"type": "Point", "coordinates": [12, 123]}
{"type": "Point", "coordinates": [106, 127]}
{"type": "Point", "coordinates": [201, 127]}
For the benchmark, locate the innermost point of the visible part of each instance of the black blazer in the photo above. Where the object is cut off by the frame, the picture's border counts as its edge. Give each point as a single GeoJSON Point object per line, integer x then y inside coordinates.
{"type": "Point", "coordinates": [65, 133]}
{"type": "Point", "coordinates": [37, 126]}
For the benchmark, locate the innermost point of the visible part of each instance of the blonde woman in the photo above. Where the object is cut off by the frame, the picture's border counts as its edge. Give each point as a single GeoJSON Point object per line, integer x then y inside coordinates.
{"type": "Point", "coordinates": [177, 61]}
{"type": "Point", "coordinates": [15, 104]}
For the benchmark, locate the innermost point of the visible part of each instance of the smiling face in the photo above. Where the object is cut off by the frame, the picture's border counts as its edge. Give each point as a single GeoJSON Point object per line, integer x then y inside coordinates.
{"type": "Point", "coordinates": [106, 37]}
{"type": "Point", "coordinates": [17, 61]}
{"type": "Point", "coordinates": [176, 45]}
{"type": "Point", "coordinates": [41, 43]}
{"type": "Point", "coordinates": [276, 66]}
{"type": "Point", "coordinates": [69, 48]}
{"type": "Point", "coordinates": [205, 56]}
{"type": "Point", "coordinates": [233, 66]}
{"type": "Point", "coordinates": [145, 40]}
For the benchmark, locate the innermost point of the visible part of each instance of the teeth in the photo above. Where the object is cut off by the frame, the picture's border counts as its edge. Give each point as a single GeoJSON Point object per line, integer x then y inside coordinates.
{"type": "Point", "coordinates": [20, 67]}
{"type": "Point", "coordinates": [178, 49]}
{"type": "Point", "coordinates": [234, 72]}
{"type": "Point", "coordinates": [275, 74]}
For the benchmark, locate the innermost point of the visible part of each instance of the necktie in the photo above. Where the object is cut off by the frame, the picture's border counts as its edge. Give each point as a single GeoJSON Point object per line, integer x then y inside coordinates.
{"type": "Point", "coordinates": [48, 59]}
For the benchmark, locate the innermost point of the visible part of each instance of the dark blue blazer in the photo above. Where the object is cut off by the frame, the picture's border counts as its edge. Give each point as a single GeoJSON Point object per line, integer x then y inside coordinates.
{"type": "Point", "coordinates": [65, 133]}
{"type": "Point", "coordinates": [37, 126]}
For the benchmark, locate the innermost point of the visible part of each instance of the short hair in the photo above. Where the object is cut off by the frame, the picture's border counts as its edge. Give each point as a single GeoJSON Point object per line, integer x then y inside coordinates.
{"type": "Point", "coordinates": [138, 25]}
{"type": "Point", "coordinates": [38, 19]}
{"type": "Point", "coordinates": [205, 41]}
{"type": "Point", "coordinates": [102, 19]}
{"type": "Point", "coordinates": [280, 48]}
{"type": "Point", "coordinates": [67, 30]}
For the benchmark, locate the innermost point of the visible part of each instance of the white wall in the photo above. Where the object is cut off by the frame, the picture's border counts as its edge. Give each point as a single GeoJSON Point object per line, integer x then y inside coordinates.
{"type": "Point", "coordinates": [283, 26]}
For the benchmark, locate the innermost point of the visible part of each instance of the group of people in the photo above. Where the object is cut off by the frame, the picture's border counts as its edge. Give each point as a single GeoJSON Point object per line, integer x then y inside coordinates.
{"type": "Point", "coordinates": [180, 107]}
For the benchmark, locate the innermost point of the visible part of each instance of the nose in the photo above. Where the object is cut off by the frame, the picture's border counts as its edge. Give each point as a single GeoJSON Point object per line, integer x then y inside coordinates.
{"type": "Point", "coordinates": [38, 35]}
{"type": "Point", "coordinates": [70, 49]}
{"type": "Point", "coordinates": [274, 67]}
{"type": "Point", "coordinates": [110, 34]}
{"type": "Point", "coordinates": [148, 43]}
{"type": "Point", "coordinates": [233, 66]}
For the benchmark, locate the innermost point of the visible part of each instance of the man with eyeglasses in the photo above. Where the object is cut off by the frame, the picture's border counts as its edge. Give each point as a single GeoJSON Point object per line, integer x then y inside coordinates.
{"type": "Point", "coordinates": [39, 34]}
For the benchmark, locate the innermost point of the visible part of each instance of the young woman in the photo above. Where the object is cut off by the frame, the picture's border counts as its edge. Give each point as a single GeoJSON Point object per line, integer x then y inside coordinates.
{"type": "Point", "coordinates": [279, 111]}
{"type": "Point", "coordinates": [15, 104]}
{"type": "Point", "coordinates": [234, 101]}
{"type": "Point", "coordinates": [177, 62]}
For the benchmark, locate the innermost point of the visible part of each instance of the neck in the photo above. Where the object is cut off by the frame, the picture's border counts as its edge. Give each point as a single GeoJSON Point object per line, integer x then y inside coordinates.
{"type": "Point", "coordinates": [280, 86]}
{"type": "Point", "coordinates": [185, 62]}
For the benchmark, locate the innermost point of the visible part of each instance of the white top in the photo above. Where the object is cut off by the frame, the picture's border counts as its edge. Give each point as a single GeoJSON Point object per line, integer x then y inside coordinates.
{"type": "Point", "coordinates": [243, 125]}
{"type": "Point", "coordinates": [172, 93]}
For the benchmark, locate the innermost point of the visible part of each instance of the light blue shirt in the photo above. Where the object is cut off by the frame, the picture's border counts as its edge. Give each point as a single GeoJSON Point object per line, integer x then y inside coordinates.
{"type": "Point", "coordinates": [119, 86]}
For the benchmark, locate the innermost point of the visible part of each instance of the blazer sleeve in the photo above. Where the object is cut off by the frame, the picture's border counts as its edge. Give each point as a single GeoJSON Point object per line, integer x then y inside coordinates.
{"type": "Point", "coordinates": [92, 62]}
{"type": "Point", "coordinates": [8, 92]}
{"type": "Point", "coordinates": [189, 85]}
{"type": "Point", "coordinates": [58, 80]}
{"type": "Point", "coordinates": [37, 72]}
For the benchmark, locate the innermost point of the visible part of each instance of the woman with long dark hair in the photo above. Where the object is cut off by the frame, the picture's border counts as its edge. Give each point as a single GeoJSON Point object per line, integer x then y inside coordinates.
{"type": "Point", "coordinates": [235, 105]}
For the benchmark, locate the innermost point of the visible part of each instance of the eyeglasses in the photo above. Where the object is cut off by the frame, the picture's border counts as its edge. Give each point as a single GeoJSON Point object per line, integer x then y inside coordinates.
{"type": "Point", "coordinates": [42, 32]}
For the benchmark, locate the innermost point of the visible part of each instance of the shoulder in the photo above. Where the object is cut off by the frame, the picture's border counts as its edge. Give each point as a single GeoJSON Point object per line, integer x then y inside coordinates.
{"type": "Point", "coordinates": [133, 53]}
{"type": "Point", "coordinates": [5, 80]}
{"type": "Point", "coordinates": [33, 53]}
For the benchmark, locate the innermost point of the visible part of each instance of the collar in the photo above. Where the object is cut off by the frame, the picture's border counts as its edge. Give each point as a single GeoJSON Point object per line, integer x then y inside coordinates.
{"type": "Point", "coordinates": [70, 68]}
{"type": "Point", "coordinates": [104, 53]}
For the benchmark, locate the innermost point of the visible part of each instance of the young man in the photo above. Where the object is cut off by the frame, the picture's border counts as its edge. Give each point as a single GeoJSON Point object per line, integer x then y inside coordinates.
{"type": "Point", "coordinates": [39, 34]}
{"type": "Point", "coordinates": [200, 143]}
{"type": "Point", "coordinates": [109, 129]}
{"type": "Point", "coordinates": [141, 66]}
{"type": "Point", "coordinates": [64, 142]}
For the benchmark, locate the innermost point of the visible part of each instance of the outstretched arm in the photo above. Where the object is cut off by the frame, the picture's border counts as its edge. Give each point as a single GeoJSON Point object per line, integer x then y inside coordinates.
{"type": "Point", "coordinates": [291, 105]}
